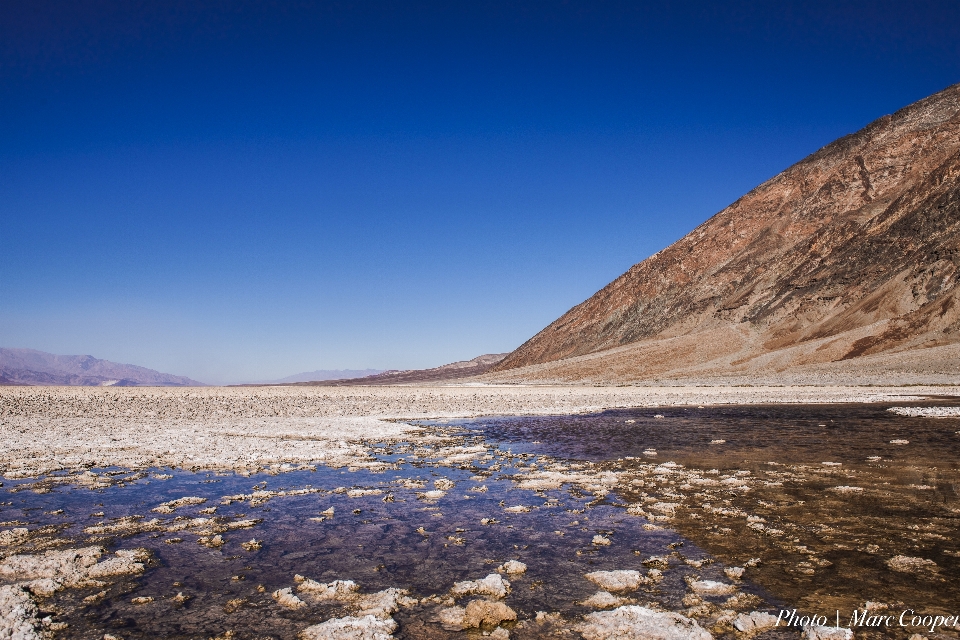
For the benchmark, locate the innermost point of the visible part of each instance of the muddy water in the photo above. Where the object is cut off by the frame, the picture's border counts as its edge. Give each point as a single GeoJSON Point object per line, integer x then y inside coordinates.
{"type": "Point", "coordinates": [767, 493]}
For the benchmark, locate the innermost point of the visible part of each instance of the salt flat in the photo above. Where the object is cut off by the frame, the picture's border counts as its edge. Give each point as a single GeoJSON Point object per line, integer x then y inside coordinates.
{"type": "Point", "coordinates": [251, 428]}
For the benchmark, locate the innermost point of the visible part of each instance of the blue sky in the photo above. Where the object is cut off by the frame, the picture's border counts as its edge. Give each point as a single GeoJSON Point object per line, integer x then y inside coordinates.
{"type": "Point", "coordinates": [240, 190]}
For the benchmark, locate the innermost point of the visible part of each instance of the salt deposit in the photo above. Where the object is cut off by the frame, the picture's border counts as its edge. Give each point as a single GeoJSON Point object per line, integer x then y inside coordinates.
{"type": "Point", "coordinates": [18, 614]}
{"type": "Point", "coordinates": [351, 628]}
{"type": "Point", "coordinates": [493, 585]}
{"type": "Point", "coordinates": [907, 564]}
{"type": "Point", "coordinates": [475, 614]}
{"type": "Point", "coordinates": [754, 622]}
{"type": "Point", "coordinates": [633, 622]}
{"type": "Point", "coordinates": [249, 429]}
{"type": "Point", "coordinates": [620, 580]}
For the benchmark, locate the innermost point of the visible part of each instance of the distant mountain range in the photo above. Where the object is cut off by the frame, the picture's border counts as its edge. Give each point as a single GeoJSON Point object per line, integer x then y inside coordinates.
{"type": "Point", "coordinates": [452, 371]}
{"type": "Point", "coordinates": [31, 367]}
{"type": "Point", "coordinates": [327, 374]}
{"type": "Point", "coordinates": [851, 256]}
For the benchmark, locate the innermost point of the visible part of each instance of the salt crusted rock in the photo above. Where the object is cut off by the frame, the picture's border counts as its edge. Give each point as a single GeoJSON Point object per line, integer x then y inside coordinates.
{"type": "Point", "coordinates": [350, 628]}
{"type": "Point", "coordinates": [517, 509]}
{"type": "Point", "coordinates": [816, 632]}
{"type": "Point", "coordinates": [493, 585]}
{"type": "Point", "coordinates": [604, 600]}
{"type": "Point", "coordinates": [754, 622]}
{"type": "Point", "coordinates": [512, 567]}
{"type": "Point", "coordinates": [657, 561]}
{"type": "Point", "coordinates": [906, 564]}
{"type": "Point", "coordinates": [359, 493]}
{"type": "Point", "coordinates": [734, 573]}
{"type": "Point", "coordinates": [380, 604]}
{"type": "Point", "coordinates": [336, 590]}
{"type": "Point", "coordinates": [18, 614]}
{"type": "Point", "coordinates": [53, 570]}
{"type": "Point", "coordinates": [622, 580]}
{"type": "Point", "coordinates": [9, 537]}
{"type": "Point", "coordinates": [711, 587]}
{"type": "Point", "coordinates": [475, 614]}
{"type": "Point", "coordinates": [640, 623]}
{"type": "Point", "coordinates": [285, 598]}
{"type": "Point", "coordinates": [171, 506]}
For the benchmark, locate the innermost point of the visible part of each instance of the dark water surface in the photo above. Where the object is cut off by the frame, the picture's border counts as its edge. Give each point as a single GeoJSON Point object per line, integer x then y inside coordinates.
{"type": "Point", "coordinates": [832, 550]}
{"type": "Point", "coordinates": [854, 484]}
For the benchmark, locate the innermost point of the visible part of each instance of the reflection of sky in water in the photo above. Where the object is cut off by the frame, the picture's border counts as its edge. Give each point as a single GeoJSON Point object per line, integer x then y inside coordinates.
{"type": "Point", "coordinates": [426, 546]}
{"type": "Point", "coordinates": [378, 547]}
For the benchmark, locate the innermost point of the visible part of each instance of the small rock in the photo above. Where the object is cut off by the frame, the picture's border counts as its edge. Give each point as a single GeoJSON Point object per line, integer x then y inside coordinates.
{"type": "Point", "coordinates": [500, 634]}
{"type": "Point", "coordinates": [252, 545]}
{"type": "Point", "coordinates": [142, 600]}
{"type": "Point", "coordinates": [180, 598]}
{"type": "Point", "coordinates": [601, 541]}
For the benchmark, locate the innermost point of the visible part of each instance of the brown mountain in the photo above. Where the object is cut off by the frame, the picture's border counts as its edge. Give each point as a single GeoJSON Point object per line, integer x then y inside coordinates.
{"type": "Point", "coordinates": [848, 256]}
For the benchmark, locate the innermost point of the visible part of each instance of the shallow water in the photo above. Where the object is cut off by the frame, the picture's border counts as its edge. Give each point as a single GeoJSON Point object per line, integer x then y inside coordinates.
{"type": "Point", "coordinates": [844, 490]}
{"type": "Point", "coordinates": [830, 553]}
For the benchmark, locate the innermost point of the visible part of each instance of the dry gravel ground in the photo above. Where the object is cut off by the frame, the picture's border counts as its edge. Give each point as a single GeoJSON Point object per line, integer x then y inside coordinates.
{"type": "Point", "coordinates": [44, 429]}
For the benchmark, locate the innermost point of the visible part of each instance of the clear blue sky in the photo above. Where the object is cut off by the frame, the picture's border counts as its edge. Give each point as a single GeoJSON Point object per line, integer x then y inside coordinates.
{"type": "Point", "coordinates": [244, 190]}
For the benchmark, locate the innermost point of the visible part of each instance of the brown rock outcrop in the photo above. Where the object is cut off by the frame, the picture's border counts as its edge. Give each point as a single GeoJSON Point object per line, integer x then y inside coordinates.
{"type": "Point", "coordinates": [852, 251]}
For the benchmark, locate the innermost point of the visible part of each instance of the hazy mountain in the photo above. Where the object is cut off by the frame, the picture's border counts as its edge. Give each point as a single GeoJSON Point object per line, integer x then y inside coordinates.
{"type": "Point", "coordinates": [31, 367]}
{"type": "Point", "coordinates": [851, 253]}
{"type": "Point", "coordinates": [328, 374]}
{"type": "Point", "coordinates": [452, 371]}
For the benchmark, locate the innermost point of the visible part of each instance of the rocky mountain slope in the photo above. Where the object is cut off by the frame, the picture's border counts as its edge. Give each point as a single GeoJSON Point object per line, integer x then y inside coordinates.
{"type": "Point", "coordinates": [30, 367]}
{"type": "Point", "coordinates": [850, 254]}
